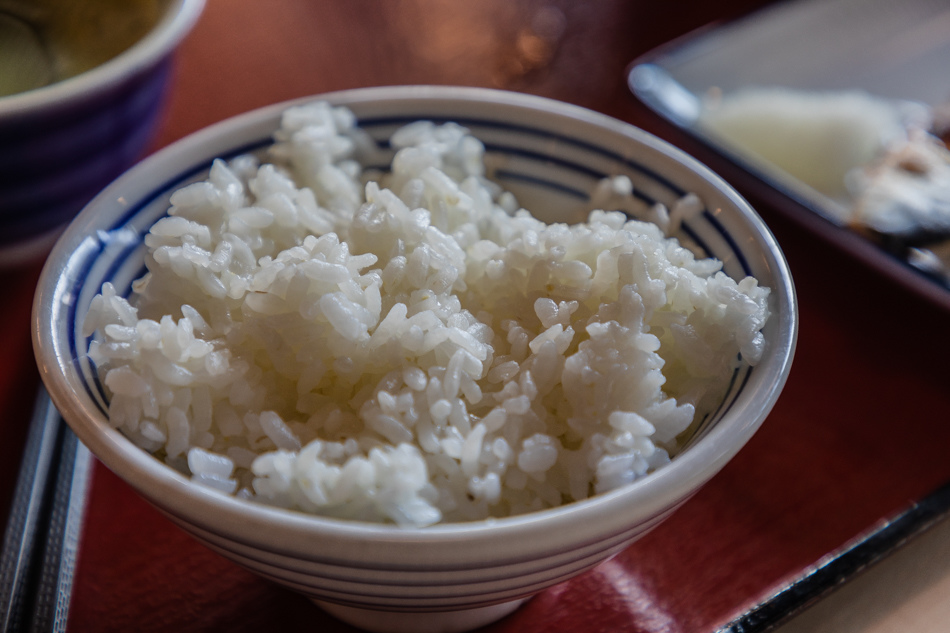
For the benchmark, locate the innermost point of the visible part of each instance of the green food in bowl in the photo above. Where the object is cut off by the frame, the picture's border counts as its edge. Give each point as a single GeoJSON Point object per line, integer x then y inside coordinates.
{"type": "Point", "coordinates": [45, 41]}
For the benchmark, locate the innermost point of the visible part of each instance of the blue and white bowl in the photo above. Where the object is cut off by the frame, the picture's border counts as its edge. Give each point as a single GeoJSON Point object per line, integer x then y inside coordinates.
{"type": "Point", "coordinates": [63, 143]}
{"type": "Point", "coordinates": [452, 576]}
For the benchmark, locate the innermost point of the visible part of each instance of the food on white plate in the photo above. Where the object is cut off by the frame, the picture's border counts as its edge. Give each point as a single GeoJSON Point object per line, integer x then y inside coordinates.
{"type": "Point", "coordinates": [411, 346]}
{"type": "Point", "coordinates": [905, 191]}
{"type": "Point", "coordinates": [817, 137]}
{"type": "Point", "coordinates": [882, 161]}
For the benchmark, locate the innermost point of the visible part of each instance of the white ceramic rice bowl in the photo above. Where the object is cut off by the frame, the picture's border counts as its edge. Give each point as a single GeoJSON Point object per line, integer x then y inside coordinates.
{"type": "Point", "coordinates": [448, 576]}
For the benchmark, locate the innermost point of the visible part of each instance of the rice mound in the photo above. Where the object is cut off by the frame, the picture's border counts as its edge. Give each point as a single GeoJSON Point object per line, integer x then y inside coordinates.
{"type": "Point", "coordinates": [410, 346]}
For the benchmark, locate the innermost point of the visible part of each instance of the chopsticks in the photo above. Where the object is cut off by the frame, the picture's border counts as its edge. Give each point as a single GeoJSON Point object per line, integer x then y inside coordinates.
{"type": "Point", "coordinates": [41, 539]}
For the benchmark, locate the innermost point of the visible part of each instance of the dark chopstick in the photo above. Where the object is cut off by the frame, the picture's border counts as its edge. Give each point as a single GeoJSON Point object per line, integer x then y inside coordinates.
{"type": "Point", "coordinates": [41, 539]}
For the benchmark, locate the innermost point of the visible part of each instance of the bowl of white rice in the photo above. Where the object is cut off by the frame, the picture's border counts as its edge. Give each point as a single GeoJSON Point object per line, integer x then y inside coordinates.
{"type": "Point", "coordinates": [416, 352]}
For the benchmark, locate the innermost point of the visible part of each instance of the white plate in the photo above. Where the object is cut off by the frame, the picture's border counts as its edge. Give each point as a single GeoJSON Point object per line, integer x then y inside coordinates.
{"type": "Point", "coordinates": [896, 50]}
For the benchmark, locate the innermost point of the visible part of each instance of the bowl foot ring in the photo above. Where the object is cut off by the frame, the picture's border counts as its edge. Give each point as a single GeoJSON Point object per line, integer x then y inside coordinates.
{"type": "Point", "coordinates": [420, 622]}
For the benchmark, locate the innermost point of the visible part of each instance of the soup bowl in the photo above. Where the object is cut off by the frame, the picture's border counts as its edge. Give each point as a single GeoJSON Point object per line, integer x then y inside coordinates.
{"type": "Point", "coordinates": [61, 143]}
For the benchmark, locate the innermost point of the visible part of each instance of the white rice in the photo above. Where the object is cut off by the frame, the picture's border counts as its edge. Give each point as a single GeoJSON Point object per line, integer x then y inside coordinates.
{"type": "Point", "coordinates": [408, 347]}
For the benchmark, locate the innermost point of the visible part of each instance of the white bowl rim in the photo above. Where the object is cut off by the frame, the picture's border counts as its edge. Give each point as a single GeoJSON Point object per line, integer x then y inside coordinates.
{"type": "Point", "coordinates": [180, 16]}
{"type": "Point", "coordinates": [229, 515]}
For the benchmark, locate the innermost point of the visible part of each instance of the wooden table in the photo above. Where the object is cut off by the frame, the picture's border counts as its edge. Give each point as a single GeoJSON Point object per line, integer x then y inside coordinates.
{"type": "Point", "coordinates": [860, 432]}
